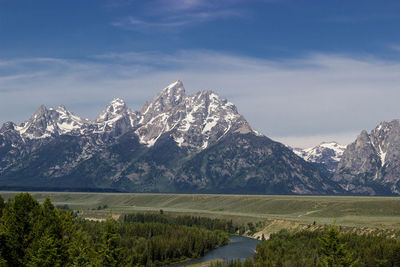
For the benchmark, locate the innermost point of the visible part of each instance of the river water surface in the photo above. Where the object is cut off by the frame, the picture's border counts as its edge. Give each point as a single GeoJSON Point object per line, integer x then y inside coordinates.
{"type": "Point", "coordinates": [239, 248]}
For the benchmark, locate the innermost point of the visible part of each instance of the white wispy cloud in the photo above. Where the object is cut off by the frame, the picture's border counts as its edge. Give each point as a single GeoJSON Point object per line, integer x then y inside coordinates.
{"type": "Point", "coordinates": [189, 5]}
{"type": "Point", "coordinates": [183, 4]}
{"type": "Point", "coordinates": [132, 23]}
{"type": "Point", "coordinates": [294, 100]}
{"type": "Point", "coordinates": [175, 21]}
{"type": "Point", "coordinates": [175, 14]}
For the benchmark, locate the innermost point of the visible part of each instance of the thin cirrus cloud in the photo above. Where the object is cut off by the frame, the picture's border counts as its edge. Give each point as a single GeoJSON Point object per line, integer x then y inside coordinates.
{"type": "Point", "coordinates": [183, 4]}
{"type": "Point", "coordinates": [158, 6]}
{"type": "Point", "coordinates": [299, 101]}
{"type": "Point", "coordinates": [175, 21]}
{"type": "Point", "coordinates": [180, 5]}
{"type": "Point", "coordinates": [174, 14]}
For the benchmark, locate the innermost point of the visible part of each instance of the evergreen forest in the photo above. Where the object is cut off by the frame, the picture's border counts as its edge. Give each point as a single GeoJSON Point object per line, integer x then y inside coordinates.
{"type": "Point", "coordinates": [39, 234]}
{"type": "Point", "coordinates": [34, 234]}
{"type": "Point", "coordinates": [323, 248]}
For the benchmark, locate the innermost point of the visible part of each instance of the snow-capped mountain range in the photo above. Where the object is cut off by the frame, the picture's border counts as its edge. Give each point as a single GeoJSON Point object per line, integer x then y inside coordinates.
{"type": "Point", "coordinates": [187, 143]}
{"type": "Point", "coordinates": [175, 143]}
{"type": "Point", "coordinates": [195, 121]}
{"type": "Point", "coordinates": [326, 154]}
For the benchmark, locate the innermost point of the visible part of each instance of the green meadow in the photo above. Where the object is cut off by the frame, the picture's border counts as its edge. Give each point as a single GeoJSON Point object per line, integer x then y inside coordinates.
{"type": "Point", "coordinates": [375, 212]}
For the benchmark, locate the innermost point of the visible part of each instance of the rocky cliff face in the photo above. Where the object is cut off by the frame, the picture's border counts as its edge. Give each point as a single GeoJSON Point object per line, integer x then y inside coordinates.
{"type": "Point", "coordinates": [175, 143]}
{"type": "Point", "coordinates": [371, 164]}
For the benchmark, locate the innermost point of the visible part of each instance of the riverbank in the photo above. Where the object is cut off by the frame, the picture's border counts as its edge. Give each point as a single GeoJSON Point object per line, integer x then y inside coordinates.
{"type": "Point", "coordinates": [239, 248]}
{"type": "Point", "coordinates": [206, 264]}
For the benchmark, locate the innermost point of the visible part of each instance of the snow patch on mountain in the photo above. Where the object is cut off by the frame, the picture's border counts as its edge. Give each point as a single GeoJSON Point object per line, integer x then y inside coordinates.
{"type": "Point", "coordinates": [193, 121]}
{"type": "Point", "coordinates": [45, 123]}
{"type": "Point", "coordinates": [326, 153]}
{"type": "Point", "coordinates": [112, 111]}
{"type": "Point", "coordinates": [382, 155]}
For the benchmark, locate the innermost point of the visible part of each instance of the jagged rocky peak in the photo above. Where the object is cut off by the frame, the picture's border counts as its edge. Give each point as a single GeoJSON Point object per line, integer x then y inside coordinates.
{"type": "Point", "coordinates": [194, 121]}
{"type": "Point", "coordinates": [332, 145]}
{"type": "Point", "coordinates": [41, 111]}
{"type": "Point", "coordinates": [113, 110]}
{"type": "Point", "coordinates": [116, 120]}
{"type": "Point", "coordinates": [7, 126]}
{"type": "Point", "coordinates": [328, 154]}
{"type": "Point", "coordinates": [362, 139]}
{"type": "Point", "coordinates": [173, 94]}
{"type": "Point", "coordinates": [218, 150]}
{"type": "Point", "coordinates": [62, 110]}
{"type": "Point", "coordinates": [330, 149]}
{"type": "Point", "coordinates": [385, 134]}
{"type": "Point", "coordinates": [220, 113]}
{"type": "Point", "coordinates": [372, 159]}
{"type": "Point", "coordinates": [49, 122]}
{"type": "Point", "coordinates": [358, 150]}
{"type": "Point", "coordinates": [39, 125]}
{"type": "Point", "coordinates": [68, 121]}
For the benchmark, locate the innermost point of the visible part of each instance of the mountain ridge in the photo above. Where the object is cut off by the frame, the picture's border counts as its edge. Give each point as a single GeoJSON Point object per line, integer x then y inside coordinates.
{"type": "Point", "coordinates": [325, 155]}
{"type": "Point", "coordinates": [156, 149]}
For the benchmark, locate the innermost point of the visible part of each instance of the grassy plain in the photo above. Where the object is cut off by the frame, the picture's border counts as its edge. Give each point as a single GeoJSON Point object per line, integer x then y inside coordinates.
{"type": "Point", "coordinates": [375, 212]}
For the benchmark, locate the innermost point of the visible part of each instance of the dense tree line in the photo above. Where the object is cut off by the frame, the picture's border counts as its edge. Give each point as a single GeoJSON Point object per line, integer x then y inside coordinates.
{"type": "Point", "coordinates": [203, 222]}
{"type": "Point", "coordinates": [34, 234]}
{"type": "Point", "coordinates": [326, 247]}
{"type": "Point", "coordinates": [158, 243]}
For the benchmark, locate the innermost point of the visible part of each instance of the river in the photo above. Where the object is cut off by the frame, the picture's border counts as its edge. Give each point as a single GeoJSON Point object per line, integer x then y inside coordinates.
{"type": "Point", "coordinates": [239, 248]}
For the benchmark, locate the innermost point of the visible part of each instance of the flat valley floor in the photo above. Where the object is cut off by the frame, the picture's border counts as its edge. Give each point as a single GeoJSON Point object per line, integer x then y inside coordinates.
{"type": "Point", "coordinates": [270, 213]}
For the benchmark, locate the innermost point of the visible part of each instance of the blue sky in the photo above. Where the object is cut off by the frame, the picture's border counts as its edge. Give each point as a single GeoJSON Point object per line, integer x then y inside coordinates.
{"type": "Point", "coordinates": [265, 29]}
{"type": "Point", "coordinates": [300, 71]}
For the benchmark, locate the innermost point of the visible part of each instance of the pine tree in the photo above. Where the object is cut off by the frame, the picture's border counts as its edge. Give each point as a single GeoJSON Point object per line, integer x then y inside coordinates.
{"type": "Point", "coordinates": [110, 254]}
{"type": "Point", "coordinates": [46, 253]}
{"type": "Point", "coordinates": [334, 253]}
{"type": "Point", "coordinates": [248, 263]}
{"type": "Point", "coordinates": [3, 262]}
{"type": "Point", "coordinates": [80, 251]}
{"type": "Point", "coordinates": [2, 205]}
{"type": "Point", "coordinates": [47, 247]}
{"type": "Point", "coordinates": [16, 228]}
